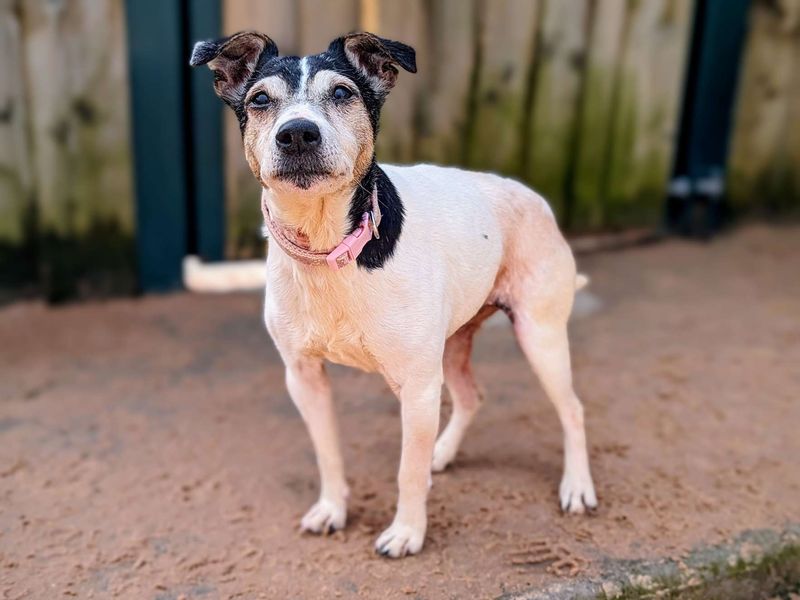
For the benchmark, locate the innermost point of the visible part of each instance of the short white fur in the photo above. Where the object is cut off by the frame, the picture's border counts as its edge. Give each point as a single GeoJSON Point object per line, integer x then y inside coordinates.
{"type": "Point", "coordinates": [468, 240]}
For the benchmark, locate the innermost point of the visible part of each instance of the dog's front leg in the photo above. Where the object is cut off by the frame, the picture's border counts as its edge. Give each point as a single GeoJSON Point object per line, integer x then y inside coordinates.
{"type": "Point", "coordinates": [310, 390]}
{"type": "Point", "coordinates": [420, 417]}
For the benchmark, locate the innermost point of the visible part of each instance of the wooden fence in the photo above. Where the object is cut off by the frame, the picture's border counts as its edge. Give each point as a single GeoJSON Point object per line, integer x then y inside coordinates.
{"type": "Point", "coordinates": [579, 98]}
{"type": "Point", "coordinates": [66, 200]}
{"type": "Point", "coordinates": [764, 163]}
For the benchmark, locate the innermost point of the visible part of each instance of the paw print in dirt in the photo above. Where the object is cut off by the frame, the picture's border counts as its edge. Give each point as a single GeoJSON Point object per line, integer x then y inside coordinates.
{"type": "Point", "coordinates": [558, 559]}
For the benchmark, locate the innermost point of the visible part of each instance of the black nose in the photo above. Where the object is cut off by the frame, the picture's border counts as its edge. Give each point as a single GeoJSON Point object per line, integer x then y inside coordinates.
{"type": "Point", "coordinates": [298, 136]}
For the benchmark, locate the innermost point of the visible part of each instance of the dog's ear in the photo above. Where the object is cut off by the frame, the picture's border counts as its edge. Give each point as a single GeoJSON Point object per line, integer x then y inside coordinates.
{"type": "Point", "coordinates": [233, 61]}
{"type": "Point", "coordinates": [378, 58]}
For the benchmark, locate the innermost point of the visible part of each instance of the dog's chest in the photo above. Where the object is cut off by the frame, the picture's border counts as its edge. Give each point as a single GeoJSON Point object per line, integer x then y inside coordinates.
{"type": "Point", "coordinates": [331, 319]}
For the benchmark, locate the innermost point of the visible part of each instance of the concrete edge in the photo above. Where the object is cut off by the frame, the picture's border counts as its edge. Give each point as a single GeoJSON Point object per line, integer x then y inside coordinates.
{"type": "Point", "coordinates": [754, 561]}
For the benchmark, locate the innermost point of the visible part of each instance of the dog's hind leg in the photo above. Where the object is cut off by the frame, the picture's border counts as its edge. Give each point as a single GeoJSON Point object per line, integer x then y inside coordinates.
{"type": "Point", "coordinates": [463, 392]}
{"type": "Point", "coordinates": [540, 325]}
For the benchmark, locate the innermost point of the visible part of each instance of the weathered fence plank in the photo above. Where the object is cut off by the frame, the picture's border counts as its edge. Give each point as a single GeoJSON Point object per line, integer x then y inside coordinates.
{"type": "Point", "coordinates": [446, 80]}
{"type": "Point", "coordinates": [77, 80]}
{"type": "Point", "coordinates": [583, 204]}
{"type": "Point", "coordinates": [764, 173]}
{"type": "Point", "coordinates": [557, 79]}
{"type": "Point", "coordinates": [17, 217]}
{"type": "Point", "coordinates": [506, 46]}
{"type": "Point", "coordinates": [321, 21]}
{"type": "Point", "coordinates": [407, 22]}
{"type": "Point", "coordinates": [279, 20]}
{"type": "Point", "coordinates": [629, 114]}
{"type": "Point", "coordinates": [646, 115]}
{"type": "Point", "coordinates": [15, 176]}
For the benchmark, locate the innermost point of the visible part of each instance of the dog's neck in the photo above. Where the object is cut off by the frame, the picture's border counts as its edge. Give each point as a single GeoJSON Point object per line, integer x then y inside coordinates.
{"type": "Point", "coordinates": [324, 220]}
{"type": "Point", "coordinates": [320, 219]}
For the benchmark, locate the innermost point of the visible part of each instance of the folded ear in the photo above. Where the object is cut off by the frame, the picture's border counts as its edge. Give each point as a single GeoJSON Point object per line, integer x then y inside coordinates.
{"type": "Point", "coordinates": [233, 60]}
{"type": "Point", "coordinates": [378, 58]}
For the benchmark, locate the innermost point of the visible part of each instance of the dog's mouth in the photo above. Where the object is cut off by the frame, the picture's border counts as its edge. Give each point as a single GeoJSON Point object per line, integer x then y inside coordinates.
{"type": "Point", "coordinates": [302, 177]}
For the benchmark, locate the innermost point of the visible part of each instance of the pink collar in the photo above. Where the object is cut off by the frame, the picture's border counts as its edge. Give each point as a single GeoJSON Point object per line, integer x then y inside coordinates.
{"type": "Point", "coordinates": [295, 244]}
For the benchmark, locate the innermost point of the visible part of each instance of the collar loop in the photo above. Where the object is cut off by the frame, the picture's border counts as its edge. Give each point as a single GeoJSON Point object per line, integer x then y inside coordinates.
{"type": "Point", "coordinates": [348, 250]}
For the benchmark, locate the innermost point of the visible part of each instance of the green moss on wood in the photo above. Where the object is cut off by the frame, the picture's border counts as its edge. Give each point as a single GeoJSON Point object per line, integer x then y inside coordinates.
{"type": "Point", "coordinates": [775, 575]}
{"type": "Point", "coordinates": [91, 176]}
{"type": "Point", "coordinates": [244, 238]}
{"type": "Point", "coordinates": [13, 206]}
{"type": "Point", "coordinates": [588, 211]}
{"type": "Point", "coordinates": [771, 192]}
{"type": "Point", "coordinates": [549, 140]}
{"type": "Point", "coordinates": [496, 133]}
{"type": "Point", "coordinates": [99, 262]}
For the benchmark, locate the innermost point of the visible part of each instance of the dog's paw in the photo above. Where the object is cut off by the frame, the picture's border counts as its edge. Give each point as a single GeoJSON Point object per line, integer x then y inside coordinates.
{"type": "Point", "coordinates": [324, 517]}
{"type": "Point", "coordinates": [576, 494]}
{"type": "Point", "coordinates": [400, 540]}
{"type": "Point", "coordinates": [444, 452]}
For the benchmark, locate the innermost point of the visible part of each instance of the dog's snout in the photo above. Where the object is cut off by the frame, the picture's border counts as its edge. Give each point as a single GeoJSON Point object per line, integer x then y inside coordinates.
{"type": "Point", "coordinates": [298, 136]}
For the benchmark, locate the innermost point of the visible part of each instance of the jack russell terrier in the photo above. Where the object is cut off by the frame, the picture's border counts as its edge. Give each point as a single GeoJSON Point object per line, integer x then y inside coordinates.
{"type": "Point", "coordinates": [391, 269]}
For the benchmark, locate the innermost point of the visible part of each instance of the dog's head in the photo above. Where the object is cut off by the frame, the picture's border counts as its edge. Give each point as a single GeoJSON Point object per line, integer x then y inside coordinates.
{"type": "Point", "coordinates": [308, 124]}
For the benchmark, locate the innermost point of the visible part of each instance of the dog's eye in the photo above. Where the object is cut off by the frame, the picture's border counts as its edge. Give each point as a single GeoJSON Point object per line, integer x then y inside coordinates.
{"type": "Point", "coordinates": [260, 100]}
{"type": "Point", "coordinates": [340, 92]}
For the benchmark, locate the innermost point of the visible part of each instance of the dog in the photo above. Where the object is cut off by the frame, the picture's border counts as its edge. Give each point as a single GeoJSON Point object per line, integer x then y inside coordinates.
{"type": "Point", "coordinates": [391, 269]}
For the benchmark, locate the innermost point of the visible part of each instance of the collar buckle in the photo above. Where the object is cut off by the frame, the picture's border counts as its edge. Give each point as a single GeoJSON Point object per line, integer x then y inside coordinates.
{"type": "Point", "coordinates": [351, 246]}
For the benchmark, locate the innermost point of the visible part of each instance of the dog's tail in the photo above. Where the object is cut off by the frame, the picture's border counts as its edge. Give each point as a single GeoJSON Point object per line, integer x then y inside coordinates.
{"type": "Point", "coordinates": [581, 281]}
{"type": "Point", "coordinates": [232, 276]}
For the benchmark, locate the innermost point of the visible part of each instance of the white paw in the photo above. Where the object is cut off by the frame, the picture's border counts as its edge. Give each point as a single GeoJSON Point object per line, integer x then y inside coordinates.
{"type": "Point", "coordinates": [400, 540]}
{"type": "Point", "coordinates": [324, 517]}
{"type": "Point", "coordinates": [577, 494]}
{"type": "Point", "coordinates": [443, 454]}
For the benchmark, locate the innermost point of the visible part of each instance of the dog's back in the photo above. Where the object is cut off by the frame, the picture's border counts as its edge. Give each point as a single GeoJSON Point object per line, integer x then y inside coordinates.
{"type": "Point", "coordinates": [492, 232]}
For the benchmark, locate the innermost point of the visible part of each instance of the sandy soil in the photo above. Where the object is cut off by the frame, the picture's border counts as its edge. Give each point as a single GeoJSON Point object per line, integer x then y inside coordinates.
{"type": "Point", "coordinates": [148, 448]}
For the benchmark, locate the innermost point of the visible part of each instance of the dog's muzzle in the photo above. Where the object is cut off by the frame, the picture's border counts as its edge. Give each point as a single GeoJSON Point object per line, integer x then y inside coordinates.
{"type": "Point", "coordinates": [300, 160]}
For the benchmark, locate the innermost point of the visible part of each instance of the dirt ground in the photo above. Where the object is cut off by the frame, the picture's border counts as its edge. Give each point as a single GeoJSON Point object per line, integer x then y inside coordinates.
{"type": "Point", "coordinates": [148, 448]}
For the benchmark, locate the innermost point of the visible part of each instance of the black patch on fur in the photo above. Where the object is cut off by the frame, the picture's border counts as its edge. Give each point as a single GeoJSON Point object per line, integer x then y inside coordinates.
{"type": "Point", "coordinates": [378, 251]}
{"type": "Point", "coordinates": [285, 67]}
{"type": "Point", "coordinates": [335, 59]}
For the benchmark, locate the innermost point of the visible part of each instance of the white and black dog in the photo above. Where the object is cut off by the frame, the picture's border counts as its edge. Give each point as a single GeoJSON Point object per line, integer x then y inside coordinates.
{"type": "Point", "coordinates": [391, 269]}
